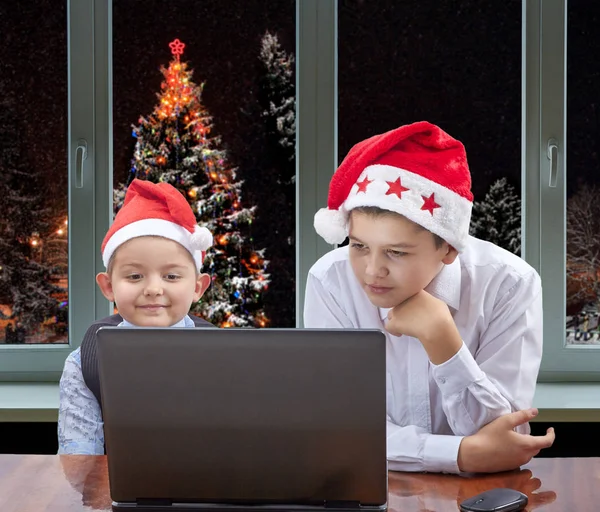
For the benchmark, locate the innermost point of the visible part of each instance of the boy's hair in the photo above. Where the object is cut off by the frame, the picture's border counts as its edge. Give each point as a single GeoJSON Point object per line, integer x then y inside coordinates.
{"type": "Point", "coordinates": [375, 211]}
{"type": "Point", "coordinates": [111, 261]}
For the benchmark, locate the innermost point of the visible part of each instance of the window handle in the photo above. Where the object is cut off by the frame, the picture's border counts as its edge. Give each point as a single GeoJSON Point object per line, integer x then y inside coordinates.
{"type": "Point", "coordinates": [80, 157]}
{"type": "Point", "coordinates": [553, 157]}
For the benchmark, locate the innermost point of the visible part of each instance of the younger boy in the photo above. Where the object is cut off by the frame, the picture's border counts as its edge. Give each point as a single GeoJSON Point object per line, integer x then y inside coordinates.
{"type": "Point", "coordinates": [153, 254]}
{"type": "Point", "coordinates": [463, 317]}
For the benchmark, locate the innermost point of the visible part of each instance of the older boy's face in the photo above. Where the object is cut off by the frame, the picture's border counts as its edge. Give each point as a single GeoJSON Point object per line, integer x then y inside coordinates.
{"type": "Point", "coordinates": [153, 282]}
{"type": "Point", "coordinates": [392, 258]}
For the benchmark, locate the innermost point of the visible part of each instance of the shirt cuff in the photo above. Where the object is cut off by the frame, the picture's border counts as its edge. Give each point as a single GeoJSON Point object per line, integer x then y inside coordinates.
{"type": "Point", "coordinates": [80, 448]}
{"type": "Point", "coordinates": [456, 374]}
{"type": "Point", "coordinates": [440, 454]}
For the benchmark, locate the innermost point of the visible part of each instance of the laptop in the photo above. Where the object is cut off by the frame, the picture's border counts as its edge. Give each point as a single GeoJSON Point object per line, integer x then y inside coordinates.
{"type": "Point", "coordinates": [244, 419]}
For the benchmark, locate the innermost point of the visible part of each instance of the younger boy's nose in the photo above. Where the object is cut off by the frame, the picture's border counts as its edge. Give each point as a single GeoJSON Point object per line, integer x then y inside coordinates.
{"type": "Point", "coordinates": [153, 288]}
{"type": "Point", "coordinates": [151, 291]}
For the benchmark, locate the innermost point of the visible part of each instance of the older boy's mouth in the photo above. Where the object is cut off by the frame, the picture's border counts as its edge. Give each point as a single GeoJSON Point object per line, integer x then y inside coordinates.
{"type": "Point", "coordinates": [378, 290]}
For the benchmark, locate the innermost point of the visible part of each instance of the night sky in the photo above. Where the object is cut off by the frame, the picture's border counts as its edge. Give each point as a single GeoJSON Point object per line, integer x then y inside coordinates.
{"type": "Point", "coordinates": [456, 63]}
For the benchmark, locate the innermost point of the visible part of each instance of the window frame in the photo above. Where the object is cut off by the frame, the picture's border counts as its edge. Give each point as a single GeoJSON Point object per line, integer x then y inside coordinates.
{"type": "Point", "coordinates": [316, 129]}
{"type": "Point", "coordinates": [88, 119]}
{"type": "Point", "coordinates": [545, 118]}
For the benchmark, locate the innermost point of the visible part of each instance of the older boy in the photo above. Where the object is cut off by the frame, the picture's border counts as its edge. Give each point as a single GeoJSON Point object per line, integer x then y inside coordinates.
{"type": "Point", "coordinates": [153, 254]}
{"type": "Point", "coordinates": [463, 317]}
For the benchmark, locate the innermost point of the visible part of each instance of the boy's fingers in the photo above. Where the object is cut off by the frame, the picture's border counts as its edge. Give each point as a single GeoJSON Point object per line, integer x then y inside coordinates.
{"type": "Point", "coordinates": [540, 442]}
{"type": "Point", "coordinates": [518, 418]}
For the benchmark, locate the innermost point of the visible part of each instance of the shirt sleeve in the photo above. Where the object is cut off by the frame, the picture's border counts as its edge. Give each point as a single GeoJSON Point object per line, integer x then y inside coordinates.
{"type": "Point", "coordinates": [80, 426]}
{"type": "Point", "coordinates": [320, 307]}
{"type": "Point", "coordinates": [409, 448]}
{"type": "Point", "coordinates": [500, 377]}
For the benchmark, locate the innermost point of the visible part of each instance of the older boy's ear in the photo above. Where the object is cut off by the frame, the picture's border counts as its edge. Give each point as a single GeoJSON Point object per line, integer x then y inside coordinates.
{"type": "Point", "coordinates": [105, 285]}
{"type": "Point", "coordinates": [450, 255]}
{"type": "Point", "coordinates": [202, 284]}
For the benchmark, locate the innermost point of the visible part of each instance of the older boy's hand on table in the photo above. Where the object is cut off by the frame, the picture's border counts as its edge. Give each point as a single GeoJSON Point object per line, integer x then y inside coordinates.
{"type": "Point", "coordinates": [428, 319]}
{"type": "Point", "coordinates": [497, 447]}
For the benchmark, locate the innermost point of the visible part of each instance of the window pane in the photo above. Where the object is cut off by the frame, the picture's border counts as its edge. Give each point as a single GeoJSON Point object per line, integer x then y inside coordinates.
{"type": "Point", "coordinates": [582, 177]}
{"type": "Point", "coordinates": [456, 64]}
{"type": "Point", "coordinates": [33, 172]}
{"type": "Point", "coordinates": [218, 122]}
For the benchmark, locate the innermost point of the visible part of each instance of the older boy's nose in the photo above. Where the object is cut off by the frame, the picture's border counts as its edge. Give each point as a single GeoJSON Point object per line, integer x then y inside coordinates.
{"type": "Point", "coordinates": [375, 267]}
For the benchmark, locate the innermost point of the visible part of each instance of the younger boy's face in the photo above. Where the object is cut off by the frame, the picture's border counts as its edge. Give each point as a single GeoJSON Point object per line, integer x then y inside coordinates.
{"type": "Point", "coordinates": [392, 258]}
{"type": "Point", "coordinates": [153, 282]}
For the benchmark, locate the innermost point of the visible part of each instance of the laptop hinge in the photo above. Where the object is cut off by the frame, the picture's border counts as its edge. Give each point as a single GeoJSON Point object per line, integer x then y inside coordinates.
{"type": "Point", "coordinates": [346, 504]}
{"type": "Point", "coordinates": [153, 502]}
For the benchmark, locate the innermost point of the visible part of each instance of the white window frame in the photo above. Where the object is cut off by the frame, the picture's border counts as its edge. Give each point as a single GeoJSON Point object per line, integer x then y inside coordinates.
{"type": "Point", "coordinates": [90, 207]}
{"type": "Point", "coordinates": [89, 105]}
{"type": "Point", "coordinates": [316, 129]}
{"type": "Point", "coordinates": [545, 118]}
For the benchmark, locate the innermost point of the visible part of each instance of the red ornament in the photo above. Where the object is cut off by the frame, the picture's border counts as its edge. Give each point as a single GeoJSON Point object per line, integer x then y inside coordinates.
{"type": "Point", "coordinates": [177, 47]}
{"type": "Point", "coordinates": [430, 203]}
{"type": "Point", "coordinates": [395, 187]}
{"type": "Point", "coordinates": [362, 185]}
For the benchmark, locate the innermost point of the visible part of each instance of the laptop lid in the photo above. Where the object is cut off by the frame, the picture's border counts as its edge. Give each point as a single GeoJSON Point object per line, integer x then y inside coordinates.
{"type": "Point", "coordinates": [248, 416]}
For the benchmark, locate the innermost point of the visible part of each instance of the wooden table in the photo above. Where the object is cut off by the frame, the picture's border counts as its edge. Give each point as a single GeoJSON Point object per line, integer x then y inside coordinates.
{"type": "Point", "coordinates": [48, 483]}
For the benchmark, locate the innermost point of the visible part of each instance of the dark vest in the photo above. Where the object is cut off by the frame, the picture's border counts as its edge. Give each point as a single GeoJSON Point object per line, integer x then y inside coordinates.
{"type": "Point", "coordinates": [89, 360]}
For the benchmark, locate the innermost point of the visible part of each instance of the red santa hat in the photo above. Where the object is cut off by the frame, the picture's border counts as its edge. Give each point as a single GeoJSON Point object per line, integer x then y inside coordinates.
{"type": "Point", "coordinates": [417, 170]}
{"type": "Point", "coordinates": [156, 210]}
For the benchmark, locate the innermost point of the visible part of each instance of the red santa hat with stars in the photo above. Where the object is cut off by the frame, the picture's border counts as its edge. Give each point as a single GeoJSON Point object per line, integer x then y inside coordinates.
{"type": "Point", "coordinates": [417, 170]}
{"type": "Point", "coordinates": [156, 210]}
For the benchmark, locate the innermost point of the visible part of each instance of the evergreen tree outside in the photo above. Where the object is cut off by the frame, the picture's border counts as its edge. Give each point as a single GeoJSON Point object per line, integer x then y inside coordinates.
{"type": "Point", "coordinates": [273, 178]}
{"type": "Point", "coordinates": [278, 100]}
{"type": "Point", "coordinates": [25, 281]}
{"type": "Point", "coordinates": [174, 145]}
{"type": "Point", "coordinates": [497, 218]}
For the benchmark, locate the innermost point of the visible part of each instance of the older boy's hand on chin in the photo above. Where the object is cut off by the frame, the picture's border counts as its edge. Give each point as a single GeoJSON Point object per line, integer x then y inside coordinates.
{"type": "Point", "coordinates": [428, 319]}
{"type": "Point", "coordinates": [497, 447]}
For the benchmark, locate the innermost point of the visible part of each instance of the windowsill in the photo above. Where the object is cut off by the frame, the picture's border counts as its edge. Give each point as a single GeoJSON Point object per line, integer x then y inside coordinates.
{"type": "Point", "coordinates": [574, 402]}
{"type": "Point", "coordinates": [28, 401]}
{"type": "Point", "coordinates": [568, 401]}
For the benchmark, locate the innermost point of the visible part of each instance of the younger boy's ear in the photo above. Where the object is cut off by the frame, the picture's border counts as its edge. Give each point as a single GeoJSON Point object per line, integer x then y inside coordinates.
{"type": "Point", "coordinates": [202, 284]}
{"type": "Point", "coordinates": [105, 285]}
{"type": "Point", "coordinates": [450, 256]}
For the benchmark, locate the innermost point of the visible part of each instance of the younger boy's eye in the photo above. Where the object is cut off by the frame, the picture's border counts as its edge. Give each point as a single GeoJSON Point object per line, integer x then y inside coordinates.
{"type": "Point", "coordinates": [134, 277]}
{"type": "Point", "coordinates": [173, 277]}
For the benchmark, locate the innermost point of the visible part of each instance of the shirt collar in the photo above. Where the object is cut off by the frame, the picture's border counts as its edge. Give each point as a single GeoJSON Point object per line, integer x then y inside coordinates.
{"type": "Point", "coordinates": [184, 322]}
{"type": "Point", "coordinates": [445, 286]}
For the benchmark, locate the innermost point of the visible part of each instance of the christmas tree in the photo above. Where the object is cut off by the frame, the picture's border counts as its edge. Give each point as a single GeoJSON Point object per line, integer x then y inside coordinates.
{"type": "Point", "coordinates": [25, 281]}
{"type": "Point", "coordinates": [174, 145]}
{"type": "Point", "coordinates": [497, 218]}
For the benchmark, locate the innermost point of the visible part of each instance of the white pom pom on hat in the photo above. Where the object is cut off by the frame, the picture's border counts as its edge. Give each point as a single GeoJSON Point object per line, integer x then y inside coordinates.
{"type": "Point", "coordinates": [201, 239]}
{"type": "Point", "coordinates": [331, 225]}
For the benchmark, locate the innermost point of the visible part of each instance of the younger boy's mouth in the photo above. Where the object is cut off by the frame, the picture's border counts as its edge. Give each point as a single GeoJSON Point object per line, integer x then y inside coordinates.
{"type": "Point", "coordinates": [152, 307]}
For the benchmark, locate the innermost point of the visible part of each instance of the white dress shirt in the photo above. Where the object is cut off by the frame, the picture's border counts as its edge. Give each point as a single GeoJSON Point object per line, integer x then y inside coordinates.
{"type": "Point", "coordinates": [495, 299]}
{"type": "Point", "coordinates": [80, 425]}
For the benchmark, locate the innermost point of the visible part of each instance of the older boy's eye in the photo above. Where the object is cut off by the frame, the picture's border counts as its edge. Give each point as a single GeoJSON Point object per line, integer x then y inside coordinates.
{"type": "Point", "coordinates": [396, 254]}
{"type": "Point", "coordinates": [357, 246]}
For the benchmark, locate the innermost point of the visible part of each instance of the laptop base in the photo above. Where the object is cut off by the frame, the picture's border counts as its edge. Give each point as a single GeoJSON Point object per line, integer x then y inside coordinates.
{"type": "Point", "coordinates": [209, 507]}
